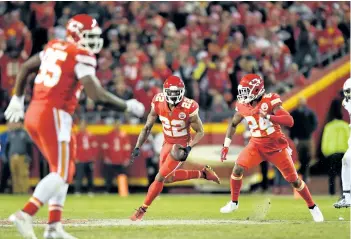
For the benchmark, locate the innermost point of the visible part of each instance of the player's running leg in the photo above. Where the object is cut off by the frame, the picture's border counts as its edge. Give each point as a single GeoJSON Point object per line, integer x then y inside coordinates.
{"type": "Point", "coordinates": [345, 201]}
{"type": "Point", "coordinates": [54, 141]}
{"type": "Point", "coordinates": [182, 175]}
{"type": "Point", "coordinates": [283, 161]}
{"type": "Point", "coordinates": [248, 158]}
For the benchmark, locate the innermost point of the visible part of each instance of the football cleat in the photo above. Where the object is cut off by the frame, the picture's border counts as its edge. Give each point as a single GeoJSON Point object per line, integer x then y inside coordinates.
{"type": "Point", "coordinates": [23, 222]}
{"type": "Point", "coordinates": [138, 214]}
{"type": "Point", "coordinates": [229, 207]}
{"type": "Point", "coordinates": [342, 203]}
{"type": "Point", "coordinates": [210, 174]}
{"type": "Point", "coordinates": [316, 214]}
{"type": "Point", "coordinates": [55, 231]}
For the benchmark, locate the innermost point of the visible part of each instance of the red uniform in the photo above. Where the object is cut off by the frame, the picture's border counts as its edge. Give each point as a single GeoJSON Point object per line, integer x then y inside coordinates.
{"type": "Point", "coordinates": [55, 97]}
{"type": "Point", "coordinates": [87, 147]}
{"type": "Point", "coordinates": [176, 127]}
{"type": "Point", "coordinates": [9, 68]}
{"type": "Point", "coordinates": [116, 148]}
{"type": "Point", "coordinates": [267, 140]}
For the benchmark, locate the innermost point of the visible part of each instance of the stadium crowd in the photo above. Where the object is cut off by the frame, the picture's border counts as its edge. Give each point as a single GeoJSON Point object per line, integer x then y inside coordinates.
{"type": "Point", "coordinates": [209, 44]}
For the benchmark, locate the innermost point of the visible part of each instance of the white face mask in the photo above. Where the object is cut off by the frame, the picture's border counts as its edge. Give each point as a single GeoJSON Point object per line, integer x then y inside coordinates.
{"type": "Point", "coordinates": [174, 96]}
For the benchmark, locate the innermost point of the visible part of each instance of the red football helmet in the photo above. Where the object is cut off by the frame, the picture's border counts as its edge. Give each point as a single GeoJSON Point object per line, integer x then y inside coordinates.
{"type": "Point", "coordinates": [85, 31]}
{"type": "Point", "coordinates": [173, 90]}
{"type": "Point", "coordinates": [250, 88]}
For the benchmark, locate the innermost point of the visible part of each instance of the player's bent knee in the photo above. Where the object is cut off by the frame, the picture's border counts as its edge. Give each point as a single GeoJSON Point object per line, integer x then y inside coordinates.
{"type": "Point", "coordinates": [238, 170]}
{"type": "Point", "coordinates": [176, 153]}
{"type": "Point", "coordinates": [296, 183]}
{"type": "Point", "coordinates": [159, 178]}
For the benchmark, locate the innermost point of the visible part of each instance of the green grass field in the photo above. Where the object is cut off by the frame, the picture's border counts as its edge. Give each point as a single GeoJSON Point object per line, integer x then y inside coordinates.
{"type": "Point", "coordinates": [189, 216]}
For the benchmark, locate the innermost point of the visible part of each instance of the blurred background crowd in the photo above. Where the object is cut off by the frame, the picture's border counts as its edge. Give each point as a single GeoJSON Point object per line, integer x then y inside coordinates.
{"type": "Point", "coordinates": [211, 45]}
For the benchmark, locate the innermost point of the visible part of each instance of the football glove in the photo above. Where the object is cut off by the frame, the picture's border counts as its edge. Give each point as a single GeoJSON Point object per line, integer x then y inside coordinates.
{"type": "Point", "coordinates": [135, 107]}
{"type": "Point", "coordinates": [15, 109]}
{"type": "Point", "coordinates": [224, 153]}
{"type": "Point", "coordinates": [135, 153]}
{"type": "Point", "coordinates": [186, 150]}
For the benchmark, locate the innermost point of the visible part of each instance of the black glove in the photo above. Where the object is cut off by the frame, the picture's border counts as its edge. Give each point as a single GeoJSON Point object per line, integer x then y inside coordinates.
{"type": "Point", "coordinates": [135, 153]}
{"type": "Point", "coordinates": [187, 150]}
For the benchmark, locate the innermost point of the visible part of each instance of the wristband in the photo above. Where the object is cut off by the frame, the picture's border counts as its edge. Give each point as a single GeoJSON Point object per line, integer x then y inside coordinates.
{"type": "Point", "coordinates": [227, 142]}
{"type": "Point", "coordinates": [268, 116]}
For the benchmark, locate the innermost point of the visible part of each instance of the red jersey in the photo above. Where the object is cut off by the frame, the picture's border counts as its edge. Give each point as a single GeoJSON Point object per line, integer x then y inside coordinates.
{"type": "Point", "coordinates": [116, 148]}
{"type": "Point", "coordinates": [87, 147]}
{"type": "Point", "coordinates": [56, 84]}
{"type": "Point", "coordinates": [176, 122]}
{"type": "Point", "coordinates": [267, 135]}
{"type": "Point", "coordinates": [9, 68]}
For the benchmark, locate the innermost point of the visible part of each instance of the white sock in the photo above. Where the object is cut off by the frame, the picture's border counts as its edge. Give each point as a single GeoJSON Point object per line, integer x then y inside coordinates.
{"type": "Point", "coordinates": [48, 187]}
{"type": "Point", "coordinates": [346, 174]}
{"type": "Point", "coordinates": [60, 197]}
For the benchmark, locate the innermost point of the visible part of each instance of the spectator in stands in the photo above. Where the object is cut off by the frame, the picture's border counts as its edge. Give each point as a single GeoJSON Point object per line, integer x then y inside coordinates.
{"type": "Point", "coordinates": [44, 15]}
{"type": "Point", "coordinates": [334, 144]}
{"type": "Point", "coordinates": [147, 87]}
{"type": "Point", "coordinates": [104, 72]}
{"type": "Point", "coordinates": [87, 154]}
{"type": "Point", "coordinates": [305, 124]}
{"type": "Point", "coordinates": [305, 48]}
{"type": "Point", "coordinates": [5, 166]}
{"type": "Point", "coordinates": [18, 150]}
{"type": "Point", "coordinates": [15, 49]}
{"type": "Point", "coordinates": [116, 150]}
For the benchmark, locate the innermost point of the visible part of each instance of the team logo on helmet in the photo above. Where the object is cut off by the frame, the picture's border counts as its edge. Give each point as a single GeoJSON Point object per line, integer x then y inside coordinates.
{"type": "Point", "coordinates": [264, 107]}
{"type": "Point", "coordinates": [182, 115]}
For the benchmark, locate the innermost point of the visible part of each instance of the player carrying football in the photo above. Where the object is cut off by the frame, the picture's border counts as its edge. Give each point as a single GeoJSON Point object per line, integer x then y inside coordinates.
{"type": "Point", "coordinates": [65, 67]}
{"type": "Point", "coordinates": [177, 114]}
{"type": "Point", "coordinates": [345, 201]}
{"type": "Point", "coordinates": [264, 114]}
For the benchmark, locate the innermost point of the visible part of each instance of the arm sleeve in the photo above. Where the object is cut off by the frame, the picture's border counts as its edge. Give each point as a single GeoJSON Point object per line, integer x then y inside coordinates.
{"type": "Point", "coordinates": [282, 117]}
{"type": "Point", "coordinates": [314, 121]}
{"type": "Point", "coordinates": [194, 109]}
{"type": "Point", "coordinates": [85, 65]}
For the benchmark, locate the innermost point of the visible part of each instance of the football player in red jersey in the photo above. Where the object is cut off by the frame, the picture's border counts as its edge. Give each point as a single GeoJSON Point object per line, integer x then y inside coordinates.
{"type": "Point", "coordinates": [177, 114]}
{"type": "Point", "coordinates": [264, 114]}
{"type": "Point", "coordinates": [65, 68]}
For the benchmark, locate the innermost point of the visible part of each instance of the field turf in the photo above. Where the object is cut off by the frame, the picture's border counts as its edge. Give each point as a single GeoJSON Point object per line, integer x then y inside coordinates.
{"type": "Point", "coordinates": [189, 216]}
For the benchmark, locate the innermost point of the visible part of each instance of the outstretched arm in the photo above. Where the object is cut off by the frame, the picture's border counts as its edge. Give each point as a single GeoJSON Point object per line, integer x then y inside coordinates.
{"type": "Point", "coordinates": [144, 134]}
{"type": "Point", "coordinates": [97, 93]}
{"type": "Point", "coordinates": [196, 125]}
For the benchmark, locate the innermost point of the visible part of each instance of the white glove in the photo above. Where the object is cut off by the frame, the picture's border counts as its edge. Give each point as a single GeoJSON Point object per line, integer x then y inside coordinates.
{"type": "Point", "coordinates": [135, 107]}
{"type": "Point", "coordinates": [15, 110]}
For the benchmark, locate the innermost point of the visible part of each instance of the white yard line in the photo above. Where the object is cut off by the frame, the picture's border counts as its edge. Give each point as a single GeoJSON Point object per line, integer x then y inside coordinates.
{"type": "Point", "coordinates": [127, 222]}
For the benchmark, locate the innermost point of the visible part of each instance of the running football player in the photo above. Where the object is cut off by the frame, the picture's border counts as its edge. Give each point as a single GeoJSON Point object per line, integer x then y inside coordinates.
{"type": "Point", "coordinates": [65, 68]}
{"type": "Point", "coordinates": [177, 114]}
{"type": "Point", "coordinates": [345, 201]}
{"type": "Point", "coordinates": [264, 114]}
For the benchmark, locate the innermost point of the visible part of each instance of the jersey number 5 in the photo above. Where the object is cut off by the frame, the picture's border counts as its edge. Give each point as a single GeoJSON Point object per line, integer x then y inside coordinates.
{"type": "Point", "coordinates": [173, 128]}
{"type": "Point", "coordinates": [263, 125]}
{"type": "Point", "coordinates": [50, 71]}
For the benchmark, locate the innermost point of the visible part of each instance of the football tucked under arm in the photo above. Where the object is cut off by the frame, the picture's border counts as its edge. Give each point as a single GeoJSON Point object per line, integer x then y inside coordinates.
{"type": "Point", "coordinates": [281, 116]}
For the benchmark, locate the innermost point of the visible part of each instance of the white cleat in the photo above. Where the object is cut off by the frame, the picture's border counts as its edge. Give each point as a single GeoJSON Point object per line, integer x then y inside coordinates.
{"type": "Point", "coordinates": [23, 222]}
{"type": "Point", "coordinates": [229, 207]}
{"type": "Point", "coordinates": [342, 203]}
{"type": "Point", "coordinates": [55, 231]}
{"type": "Point", "coordinates": [317, 214]}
